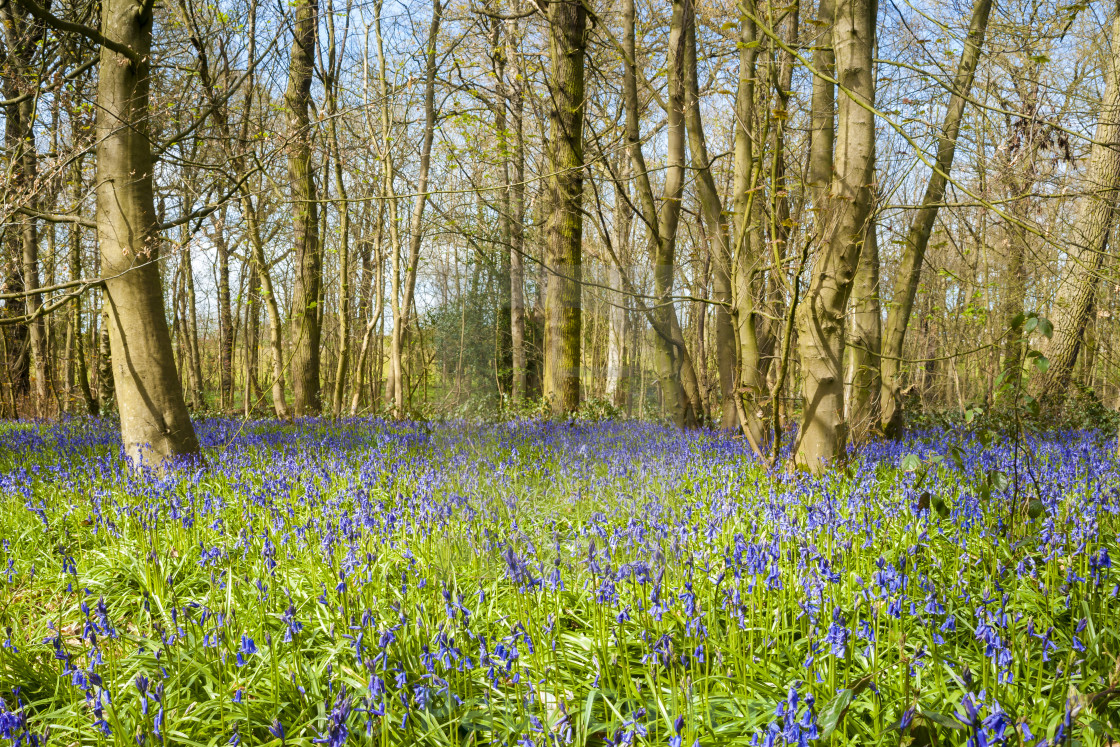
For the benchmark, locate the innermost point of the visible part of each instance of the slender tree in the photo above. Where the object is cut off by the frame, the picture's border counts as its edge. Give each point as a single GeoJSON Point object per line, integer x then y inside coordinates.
{"type": "Point", "coordinates": [908, 274]}
{"type": "Point", "coordinates": [306, 329]}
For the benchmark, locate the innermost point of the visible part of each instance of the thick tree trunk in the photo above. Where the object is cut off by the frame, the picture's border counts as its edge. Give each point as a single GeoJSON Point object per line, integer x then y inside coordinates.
{"type": "Point", "coordinates": [679, 385]}
{"type": "Point", "coordinates": [909, 270]}
{"type": "Point", "coordinates": [822, 438]}
{"type": "Point", "coordinates": [668, 359]}
{"type": "Point", "coordinates": [567, 46]}
{"type": "Point", "coordinates": [306, 330]}
{"type": "Point", "coordinates": [1073, 307]}
{"type": "Point", "coordinates": [155, 425]}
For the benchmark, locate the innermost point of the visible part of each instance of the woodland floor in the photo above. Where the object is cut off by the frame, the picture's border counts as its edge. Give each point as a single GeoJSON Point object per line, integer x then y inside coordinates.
{"type": "Point", "coordinates": [537, 583]}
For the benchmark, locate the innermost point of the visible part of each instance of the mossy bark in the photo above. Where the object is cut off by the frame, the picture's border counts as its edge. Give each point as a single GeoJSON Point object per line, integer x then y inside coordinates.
{"type": "Point", "coordinates": [306, 330]}
{"type": "Point", "coordinates": [562, 303]}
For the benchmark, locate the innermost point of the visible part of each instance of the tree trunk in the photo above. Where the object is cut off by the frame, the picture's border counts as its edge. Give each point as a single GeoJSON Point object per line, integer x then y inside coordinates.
{"type": "Point", "coordinates": [668, 359]}
{"type": "Point", "coordinates": [917, 238]}
{"type": "Point", "coordinates": [716, 220]}
{"type": "Point", "coordinates": [190, 329]}
{"type": "Point", "coordinates": [76, 370]}
{"type": "Point", "coordinates": [155, 425]}
{"type": "Point", "coordinates": [617, 313]}
{"type": "Point", "coordinates": [398, 384]}
{"type": "Point", "coordinates": [225, 317]}
{"type": "Point", "coordinates": [567, 46]}
{"type": "Point", "coordinates": [504, 321]}
{"type": "Point", "coordinates": [252, 387]}
{"type": "Point", "coordinates": [106, 394]}
{"type": "Point", "coordinates": [517, 227]}
{"type": "Point", "coordinates": [344, 289]}
{"type": "Point", "coordinates": [306, 330]}
{"type": "Point", "coordinates": [376, 320]}
{"type": "Point", "coordinates": [822, 438]}
{"type": "Point", "coordinates": [1073, 307]}
{"type": "Point", "coordinates": [866, 338]}
{"type": "Point", "coordinates": [747, 256]}
{"type": "Point", "coordinates": [679, 385]}
{"type": "Point", "coordinates": [22, 41]}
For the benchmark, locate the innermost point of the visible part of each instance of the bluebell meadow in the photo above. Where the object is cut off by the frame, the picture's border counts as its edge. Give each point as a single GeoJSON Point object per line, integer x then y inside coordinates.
{"type": "Point", "coordinates": [541, 583]}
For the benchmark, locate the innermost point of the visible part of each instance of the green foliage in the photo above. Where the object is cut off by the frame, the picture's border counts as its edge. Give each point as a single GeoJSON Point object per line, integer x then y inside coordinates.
{"type": "Point", "coordinates": [642, 575]}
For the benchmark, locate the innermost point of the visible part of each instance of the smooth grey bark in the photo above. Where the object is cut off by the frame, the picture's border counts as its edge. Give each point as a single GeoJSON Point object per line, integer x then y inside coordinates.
{"type": "Point", "coordinates": [155, 425]}
{"type": "Point", "coordinates": [822, 437]}
{"type": "Point", "coordinates": [106, 394]}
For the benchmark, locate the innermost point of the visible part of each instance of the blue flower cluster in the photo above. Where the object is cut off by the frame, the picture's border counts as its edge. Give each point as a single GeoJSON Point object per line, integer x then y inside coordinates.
{"type": "Point", "coordinates": [543, 584]}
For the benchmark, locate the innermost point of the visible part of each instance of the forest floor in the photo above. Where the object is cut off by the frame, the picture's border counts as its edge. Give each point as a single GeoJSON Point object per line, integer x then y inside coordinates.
{"type": "Point", "coordinates": [539, 583]}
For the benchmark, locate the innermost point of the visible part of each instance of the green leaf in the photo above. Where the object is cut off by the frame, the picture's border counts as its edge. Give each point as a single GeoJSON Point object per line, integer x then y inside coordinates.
{"type": "Point", "coordinates": [911, 463]}
{"type": "Point", "coordinates": [833, 713]}
{"type": "Point", "coordinates": [940, 506]}
{"type": "Point", "coordinates": [941, 719]}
